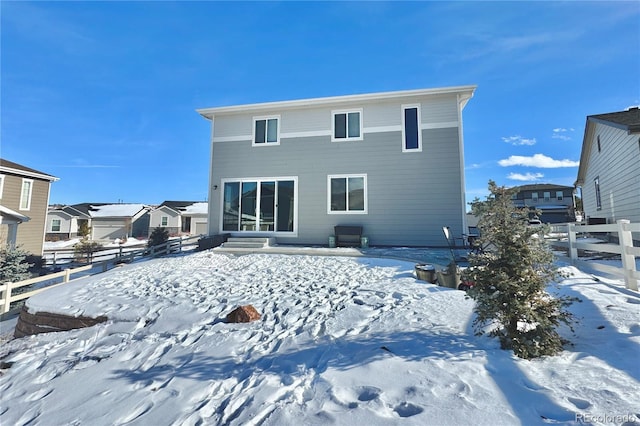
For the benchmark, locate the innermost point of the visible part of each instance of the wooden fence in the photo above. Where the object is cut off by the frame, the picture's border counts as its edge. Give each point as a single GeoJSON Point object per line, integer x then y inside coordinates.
{"type": "Point", "coordinates": [575, 248]}
{"type": "Point", "coordinates": [58, 278]}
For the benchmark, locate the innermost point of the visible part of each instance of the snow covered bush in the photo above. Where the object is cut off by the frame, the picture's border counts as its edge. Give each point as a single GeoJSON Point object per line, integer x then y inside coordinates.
{"type": "Point", "coordinates": [14, 266]}
{"type": "Point", "coordinates": [510, 278]}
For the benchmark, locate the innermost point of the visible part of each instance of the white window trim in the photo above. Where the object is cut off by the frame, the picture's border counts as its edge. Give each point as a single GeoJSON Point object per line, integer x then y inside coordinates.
{"type": "Point", "coordinates": [164, 219]}
{"type": "Point", "coordinates": [536, 198]}
{"type": "Point", "coordinates": [366, 196]}
{"type": "Point", "coordinates": [253, 131]}
{"type": "Point", "coordinates": [404, 141]}
{"type": "Point", "coordinates": [59, 225]}
{"type": "Point", "coordinates": [28, 207]}
{"type": "Point", "coordinates": [333, 125]}
{"type": "Point", "coordinates": [1, 185]}
{"type": "Point", "coordinates": [293, 233]}
{"type": "Point", "coordinates": [559, 195]}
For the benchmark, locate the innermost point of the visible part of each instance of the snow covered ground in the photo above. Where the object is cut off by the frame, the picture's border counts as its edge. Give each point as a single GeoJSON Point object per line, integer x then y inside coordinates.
{"type": "Point", "coordinates": [347, 341]}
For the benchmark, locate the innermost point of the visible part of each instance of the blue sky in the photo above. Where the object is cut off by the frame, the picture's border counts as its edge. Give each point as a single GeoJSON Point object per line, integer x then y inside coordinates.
{"type": "Point", "coordinates": [103, 94]}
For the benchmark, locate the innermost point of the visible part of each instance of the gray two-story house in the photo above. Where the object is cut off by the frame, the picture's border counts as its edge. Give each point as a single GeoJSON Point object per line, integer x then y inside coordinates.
{"type": "Point", "coordinates": [555, 203]}
{"type": "Point", "coordinates": [390, 162]}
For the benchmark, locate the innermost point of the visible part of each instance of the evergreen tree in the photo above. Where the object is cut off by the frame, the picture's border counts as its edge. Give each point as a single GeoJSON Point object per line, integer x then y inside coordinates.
{"type": "Point", "coordinates": [13, 265]}
{"type": "Point", "coordinates": [158, 237]}
{"type": "Point", "coordinates": [510, 277]}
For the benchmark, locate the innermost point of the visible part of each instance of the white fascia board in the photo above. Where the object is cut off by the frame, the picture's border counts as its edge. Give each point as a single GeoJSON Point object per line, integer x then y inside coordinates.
{"type": "Point", "coordinates": [465, 92]}
{"type": "Point", "coordinates": [28, 174]}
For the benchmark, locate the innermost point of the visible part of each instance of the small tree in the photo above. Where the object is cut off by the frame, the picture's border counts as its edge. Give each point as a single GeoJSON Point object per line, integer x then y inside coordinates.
{"type": "Point", "coordinates": [158, 237]}
{"type": "Point", "coordinates": [85, 248]}
{"type": "Point", "coordinates": [14, 266]}
{"type": "Point", "coordinates": [84, 229]}
{"type": "Point", "coordinates": [510, 278]}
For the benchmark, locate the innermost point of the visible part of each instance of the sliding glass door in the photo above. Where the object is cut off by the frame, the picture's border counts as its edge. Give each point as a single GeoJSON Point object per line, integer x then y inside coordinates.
{"type": "Point", "coordinates": [259, 205]}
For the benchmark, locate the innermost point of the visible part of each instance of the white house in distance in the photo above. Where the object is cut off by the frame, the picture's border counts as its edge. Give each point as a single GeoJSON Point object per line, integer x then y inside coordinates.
{"type": "Point", "coordinates": [389, 162]}
{"type": "Point", "coordinates": [609, 172]}
{"type": "Point", "coordinates": [107, 221]}
{"type": "Point", "coordinates": [180, 217]}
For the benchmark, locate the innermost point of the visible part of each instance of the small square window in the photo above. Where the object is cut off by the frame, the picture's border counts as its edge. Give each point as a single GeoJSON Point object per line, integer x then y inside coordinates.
{"type": "Point", "coordinates": [347, 125]}
{"type": "Point", "coordinates": [266, 131]}
{"type": "Point", "coordinates": [347, 194]}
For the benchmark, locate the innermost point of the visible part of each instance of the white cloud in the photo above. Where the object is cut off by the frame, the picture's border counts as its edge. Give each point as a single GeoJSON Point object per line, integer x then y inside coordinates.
{"type": "Point", "coordinates": [528, 177]}
{"type": "Point", "coordinates": [519, 140]}
{"type": "Point", "coordinates": [561, 133]}
{"type": "Point", "coordinates": [537, 160]}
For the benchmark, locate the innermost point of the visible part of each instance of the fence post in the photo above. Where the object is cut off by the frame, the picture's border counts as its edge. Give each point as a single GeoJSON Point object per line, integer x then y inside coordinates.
{"type": "Point", "coordinates": [573, 251]}
{"type": "Point", "coordinates": [67, 275]}
{"type": "Point", "coordinates": [7, 299]}
{"type": "Point", "coordinates": [628, 260]}
{"type": "Point", "coordinates": [55, 255]}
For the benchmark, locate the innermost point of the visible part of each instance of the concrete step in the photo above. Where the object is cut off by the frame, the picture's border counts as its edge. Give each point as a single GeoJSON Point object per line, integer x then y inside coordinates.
{"type": "Point", "coordinates": [249, 242]}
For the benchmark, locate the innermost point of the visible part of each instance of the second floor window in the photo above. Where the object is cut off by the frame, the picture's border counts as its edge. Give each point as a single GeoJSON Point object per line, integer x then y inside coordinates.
{"type": "Point", "coordinates": [347, 125]}
{"type": "Point", "coordinates": [547, 196]}
{"type": "Point", "coordinates": [534, 197]}
{"type": "Point", "coordinates": [164, 220]}
{"type": "Point", "coordinates": [25, 194]}
{"type": "Point", "coordinates": [411, 134]}
{"type": "Point", "coordinates": [55, 225]}
{"type": "Point", "coordinates": [559, 196]}
{"type": "Point", "coordinates": [265, 131]}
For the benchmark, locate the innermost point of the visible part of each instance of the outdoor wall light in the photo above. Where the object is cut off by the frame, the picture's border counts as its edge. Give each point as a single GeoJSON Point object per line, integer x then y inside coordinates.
{"type": "Point", "coordinates": [215, 187]}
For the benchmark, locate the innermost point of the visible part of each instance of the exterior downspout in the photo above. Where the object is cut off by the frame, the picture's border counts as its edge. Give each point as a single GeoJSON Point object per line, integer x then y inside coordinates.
{"type": "Point", "coordinates": [210, 224]}
{"type": "Point", "coordinates": [465, 228]}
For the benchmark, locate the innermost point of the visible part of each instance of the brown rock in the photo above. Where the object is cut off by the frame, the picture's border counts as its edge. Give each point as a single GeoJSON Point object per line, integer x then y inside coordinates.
{"type": "Point", "coordinates": [245, 313]}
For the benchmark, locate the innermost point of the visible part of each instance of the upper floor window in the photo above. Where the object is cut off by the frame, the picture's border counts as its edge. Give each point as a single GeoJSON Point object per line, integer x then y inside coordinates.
{"type": "Point", "coordinates": [164, 220]}
{"type": "Point", "coordinates": [411, 134]}
{"type": "Point", "coordinates": [55, 225]}
{"type": "Point", "coordinates": [348, 194]}
{"type": "Point", "coordinates": [559, 195]}
{"type": "Point", "coordinates": [347, 125]}
{"type": "Point", "coordinates": [1, 185]}
{"type": "Point", "coordinates": [25, 194]}
{"type": "Point", "coordinates": [266, 131]}
{"type": "Point", "coordinates": [534, 197]}
{"type": "Point", "coordinates": [547, 196]}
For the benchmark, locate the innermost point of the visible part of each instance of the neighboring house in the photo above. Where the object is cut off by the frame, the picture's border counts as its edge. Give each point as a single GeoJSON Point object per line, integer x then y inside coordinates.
{"type": "Point", "coordinates": [609, 172]}
{"type": "Point", "coordinates": [24, 197]}
{"type": "Point", "coordinates": [180, 217]}
{"type": "Point", "coordinates": [107, 221]}
{"type": "Point", "coordinates": [555, 202]}
{"type": "Point", "coordinates": [391, 162]}
{"type": "Point", "coordinates": [63, 223]}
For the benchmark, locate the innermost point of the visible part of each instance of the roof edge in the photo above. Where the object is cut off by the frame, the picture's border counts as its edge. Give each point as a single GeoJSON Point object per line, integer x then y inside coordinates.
{"type": "Point", "coordinates": [210, 112]}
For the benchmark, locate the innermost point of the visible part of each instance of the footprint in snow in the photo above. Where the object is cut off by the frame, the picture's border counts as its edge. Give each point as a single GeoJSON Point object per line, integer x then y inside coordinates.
{"type": "Point", "coordinates": [406, 409]}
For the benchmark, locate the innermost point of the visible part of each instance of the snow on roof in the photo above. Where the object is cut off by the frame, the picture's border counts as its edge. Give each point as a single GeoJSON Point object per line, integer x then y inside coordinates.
{"type": "Point", "coordinates": [197, 208]}
{"type": "Point", "coordinates": [116, 210]}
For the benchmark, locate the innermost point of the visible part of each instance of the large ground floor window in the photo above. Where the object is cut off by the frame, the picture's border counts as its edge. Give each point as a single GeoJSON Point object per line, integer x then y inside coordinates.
{"type": "Point", "coordinates": [259, 205]}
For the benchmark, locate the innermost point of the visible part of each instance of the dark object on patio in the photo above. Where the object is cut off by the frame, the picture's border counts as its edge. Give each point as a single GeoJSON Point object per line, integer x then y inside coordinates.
{"type": "Point", "coordinates": [348, 236]}
{"type": "Point", "coordinates": [211, 241]}
{"type": "Point", "coordinates": [426, 272]}
{"type": "Point", "coordinates": [245, 313]}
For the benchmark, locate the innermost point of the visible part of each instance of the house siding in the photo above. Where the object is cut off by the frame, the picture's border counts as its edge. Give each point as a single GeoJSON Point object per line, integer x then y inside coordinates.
{"type": "Point", "coordinates": [410, 195]}
{"type": "Point", "coordinates": [619, 185]}
{"type": "Point", "coordinates": [30, 235]}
